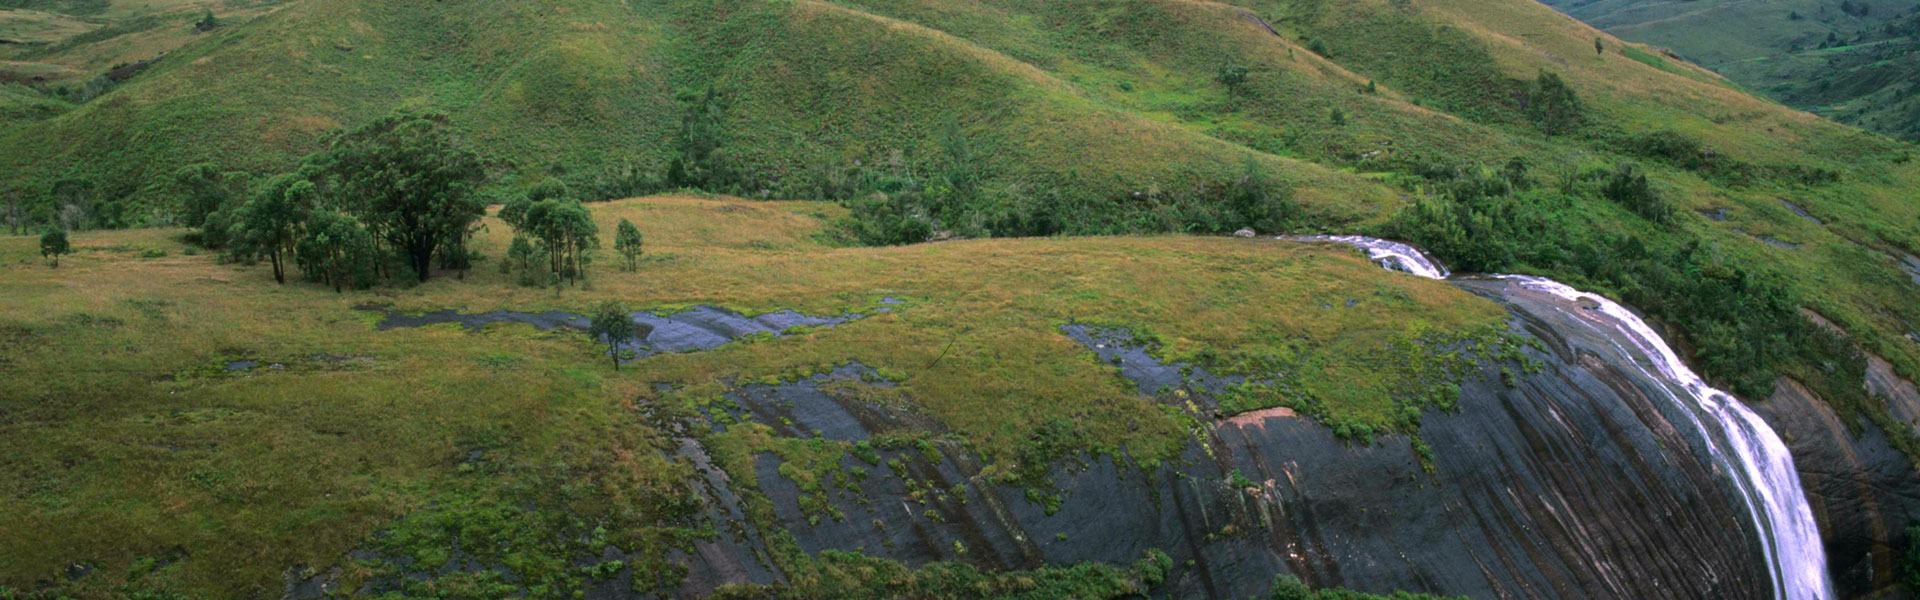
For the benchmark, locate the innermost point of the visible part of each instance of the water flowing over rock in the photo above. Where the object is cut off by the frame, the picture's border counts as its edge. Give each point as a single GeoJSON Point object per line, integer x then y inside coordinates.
{"type": "Point", "coordinates": [1733, 435]}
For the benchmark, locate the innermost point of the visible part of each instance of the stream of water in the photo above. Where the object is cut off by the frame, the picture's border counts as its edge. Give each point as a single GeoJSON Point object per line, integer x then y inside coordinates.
{"type": "Point", "coordinates": [1738, 439]}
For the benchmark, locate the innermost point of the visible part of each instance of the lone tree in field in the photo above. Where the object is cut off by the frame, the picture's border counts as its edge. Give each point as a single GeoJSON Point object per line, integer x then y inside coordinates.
{"type": "Point", "coordinates": [1231, 76]}
{"type": "Point", "coordinates": [612, 323]}
{"type": "Point", "coordinates": [53, 243]}
{"type": "Point", "coordinates": [1598, 48]}
{"type": "Point", "coordinates": [1553, 106]}
{"type": "Point", "coordinates": [628, 242]}
{"type": "Point", "coordinates": [409, 178]}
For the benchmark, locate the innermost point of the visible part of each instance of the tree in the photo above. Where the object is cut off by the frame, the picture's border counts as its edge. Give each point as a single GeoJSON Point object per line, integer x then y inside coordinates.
{"type": "Point", "coordinates": [1231, 76]}
{"type": "Point", "coordinates": [1598, 48]}
{"type": "Point", "coordinates": [207, 22]}
{"type": "Point", "coordinates": [565, 231]}
{"type": "Point", "coordinates": [337, 250]}
{"type": "Point", "coordinates": [410, 180]}
{"type": "Point", "coordinates": [202, 191]}
{"type": "Point", "coordinates": [627, 242]}
{"type": "Point", "coordinates": [612, 323]}
{"type": "Point", "coordinates": [1628, 185]}
{"type": "Point", "coordinates": [53, 243]}
{"type": "Point", "coordinates": [269, 224]}
{"type": "Point", "coordinates": [70, 197]}
{"type": "Point", "coordinates": [1552, 105]}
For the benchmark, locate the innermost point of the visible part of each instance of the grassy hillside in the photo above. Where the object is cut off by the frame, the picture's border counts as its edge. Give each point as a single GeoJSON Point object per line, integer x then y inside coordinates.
{"type": "Point", "coordinates": [1490, 130]}
{"type": "Point", "coordinates": [1034, 118]}
{"type": "Point", "coordinates": [128, 428]}
{"type": "Point", "coordinates": [1853, 61]}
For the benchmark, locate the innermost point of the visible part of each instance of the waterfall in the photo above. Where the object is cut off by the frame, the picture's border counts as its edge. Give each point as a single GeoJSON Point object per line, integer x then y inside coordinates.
{"type": "Point", "coordinates": [1738, 440]}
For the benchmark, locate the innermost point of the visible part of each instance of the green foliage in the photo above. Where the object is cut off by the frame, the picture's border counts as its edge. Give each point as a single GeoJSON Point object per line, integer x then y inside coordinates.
{"type": "Point", "coordinates": [527, 260]}
{"type": "Point", "coordinates": [886, 220]}
{"type": "Point", "coordinates": [699, 162]}
{"type": "Point", "coordinates": [336, 249]}
{"type": "Point", "coordinates": [1552, 105]}
{"type": "Point", "coordinates": [564, 229]}
{"type": "Point", "coordinates": [410, 179]}
{"type": "Point", "coordinates": [53, 243]}
{"type": "Point", "coordinates": [837, 574]}
{"type": "Point", "coordinates": [1438, 65]}
{"type": "Point", "coordinates": [613, 325]}
{"type": "Point", "coordinates": [628, 242]}
{"type": "Point", "coordinates": [203, 189]}
{"type": "Point", "coordinates": [1628, 186]}
{"type": "Point", "coordinates": [269, 224]}
{"type": "Point", "coordinates": [1743, 324]}
{"type": "Point", "coordinates": [1231, 76]}
{"type": "Point", "coordinates": [1910, 560]}
{"type": "Point", "coordinates": [1288, 587]}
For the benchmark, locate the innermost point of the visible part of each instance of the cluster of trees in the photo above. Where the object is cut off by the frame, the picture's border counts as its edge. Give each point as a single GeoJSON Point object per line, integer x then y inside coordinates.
{"type": "Point", "coordinates": [70, 204]}
{"type": "Point", "coordinates": [553, 233]}
{"type": "Point", "coordinates": [387, 198]}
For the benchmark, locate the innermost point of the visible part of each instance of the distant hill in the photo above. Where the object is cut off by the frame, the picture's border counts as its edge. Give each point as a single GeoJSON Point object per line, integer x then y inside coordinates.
{"type": "Point", "coordinates": [1854, 61]}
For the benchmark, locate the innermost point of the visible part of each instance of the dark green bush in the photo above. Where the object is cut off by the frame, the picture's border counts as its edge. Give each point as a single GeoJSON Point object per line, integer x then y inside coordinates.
{"type": "Point", "coordinates": [1629, 186]}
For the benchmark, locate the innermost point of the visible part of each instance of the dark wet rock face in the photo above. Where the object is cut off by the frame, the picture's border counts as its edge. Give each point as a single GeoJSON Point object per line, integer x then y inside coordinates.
{"type": "Point", "coordinates": [1863, 492]}
{"type": "Point", "coordinates": [1578, 481]}
{"type": "Point", "coordinates": [1802, 211]}
{"type": "Point", "coordinates": [1911, 265]}
{"type": "Point", "coordinates": [1572, 484]}
{"type": "Point", "coordinates": [690, 330]}
{"type": "Point", "coordinates": [1136, 363]}
{"type": "Point", "coordinates": [1777, 242]}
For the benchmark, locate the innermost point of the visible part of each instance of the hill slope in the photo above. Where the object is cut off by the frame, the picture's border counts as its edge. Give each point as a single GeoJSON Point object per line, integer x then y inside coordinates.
{"type": "Point", "coordinates": [1856, 62]}
{"type": "Point", "coordinates": [1041, 118]}
{"type": "Point", "coordinates": [1488, 130]}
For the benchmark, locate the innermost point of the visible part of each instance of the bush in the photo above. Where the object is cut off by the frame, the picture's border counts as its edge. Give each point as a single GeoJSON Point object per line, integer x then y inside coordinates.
{"type": "Point", "coordinates": [1743, 324]}
{"type": "Point", "coordinates": [1628, 186]}
{"type": "Point", "coordinates": [883, 220]}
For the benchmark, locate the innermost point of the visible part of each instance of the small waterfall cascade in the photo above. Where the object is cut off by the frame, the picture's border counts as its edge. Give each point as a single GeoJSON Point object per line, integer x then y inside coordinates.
{"type": "Point", "coordinates": [1742, 443]}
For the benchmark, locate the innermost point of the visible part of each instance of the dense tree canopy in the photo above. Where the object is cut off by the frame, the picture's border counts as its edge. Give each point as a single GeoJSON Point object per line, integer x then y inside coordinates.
{"type": "Point", "coordinates": [410, 179]}
{"type": "Point", "coordinates": [268, 225]}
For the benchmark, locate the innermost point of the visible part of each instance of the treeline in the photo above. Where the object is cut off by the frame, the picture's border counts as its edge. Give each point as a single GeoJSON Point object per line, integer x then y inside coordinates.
{"type": "Point", "coordinates": [1743, 324]}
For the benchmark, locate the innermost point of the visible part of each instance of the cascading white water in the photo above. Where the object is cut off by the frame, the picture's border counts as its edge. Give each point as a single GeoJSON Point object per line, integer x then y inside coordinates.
{"type": "Point", "coordinates": [1743, 444]}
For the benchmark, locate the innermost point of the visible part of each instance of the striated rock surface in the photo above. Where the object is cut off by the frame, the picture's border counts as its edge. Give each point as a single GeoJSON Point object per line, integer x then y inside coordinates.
{"type": "Point", "coordinates": [1574, 483]}
{"type": "Point", "coordinates": [1863, 491]}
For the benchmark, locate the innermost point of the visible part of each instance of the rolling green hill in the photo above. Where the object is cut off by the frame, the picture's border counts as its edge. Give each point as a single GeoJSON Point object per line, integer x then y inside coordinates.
{"type": "Point", "coordinates": [1036, 117]}
{"type": "Point", "coordinates": [1856, 62]}
{"type": "Point", "coordinates": [1489, 131]}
